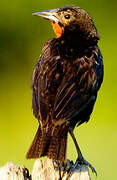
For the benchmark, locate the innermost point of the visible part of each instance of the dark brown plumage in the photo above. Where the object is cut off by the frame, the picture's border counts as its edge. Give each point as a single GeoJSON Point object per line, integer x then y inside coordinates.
{"type": "Point", "coordinates": [65, 81]}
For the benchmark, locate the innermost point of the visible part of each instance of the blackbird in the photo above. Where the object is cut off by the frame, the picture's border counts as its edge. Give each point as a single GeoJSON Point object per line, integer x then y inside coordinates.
{"type": "Point", "coordinates": [65, 82]}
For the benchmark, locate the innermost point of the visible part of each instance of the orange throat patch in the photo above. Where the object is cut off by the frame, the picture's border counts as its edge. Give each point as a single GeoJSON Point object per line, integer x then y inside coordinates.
{"type": "Point", "coordinates": [57, 29]}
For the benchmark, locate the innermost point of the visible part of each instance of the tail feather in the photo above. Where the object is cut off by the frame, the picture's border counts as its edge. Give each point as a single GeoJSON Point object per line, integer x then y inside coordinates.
{"type": "Point", "coordinates": [48, 143]}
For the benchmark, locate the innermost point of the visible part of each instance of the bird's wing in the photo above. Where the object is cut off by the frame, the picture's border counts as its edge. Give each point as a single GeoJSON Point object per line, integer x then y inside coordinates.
{"type": "Point", "coordinates": [79, 86]}
{"type": "Point", "coordinates": [46, 79]}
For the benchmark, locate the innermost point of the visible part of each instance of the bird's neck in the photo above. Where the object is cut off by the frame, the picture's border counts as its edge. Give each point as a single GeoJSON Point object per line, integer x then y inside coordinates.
{"type": "Point", "coordinates": [77, 38]}
{"type": "Point", "coordinates": [74, 44]}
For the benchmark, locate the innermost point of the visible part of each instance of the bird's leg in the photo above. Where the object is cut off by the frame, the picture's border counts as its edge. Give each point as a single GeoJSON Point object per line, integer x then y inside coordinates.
{"type": "Point", "coordinates": [80, 159]}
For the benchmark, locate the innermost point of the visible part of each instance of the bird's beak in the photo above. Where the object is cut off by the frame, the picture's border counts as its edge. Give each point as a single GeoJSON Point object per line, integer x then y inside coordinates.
{"type": "Point", "coordinates": [49, 14]}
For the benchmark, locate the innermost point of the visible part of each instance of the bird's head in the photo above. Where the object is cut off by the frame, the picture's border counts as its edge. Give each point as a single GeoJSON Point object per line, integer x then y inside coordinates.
{"type": "Point", "coordinates": [70, 19]}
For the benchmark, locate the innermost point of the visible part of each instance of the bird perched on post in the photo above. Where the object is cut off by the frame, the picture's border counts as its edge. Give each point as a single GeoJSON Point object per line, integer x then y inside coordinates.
{"type": "Point", "coordinates": [65, 82]}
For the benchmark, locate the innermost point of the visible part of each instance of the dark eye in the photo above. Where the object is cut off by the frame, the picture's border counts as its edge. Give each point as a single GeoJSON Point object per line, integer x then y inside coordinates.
{"type": "Point", "coordinates": [67, 16]}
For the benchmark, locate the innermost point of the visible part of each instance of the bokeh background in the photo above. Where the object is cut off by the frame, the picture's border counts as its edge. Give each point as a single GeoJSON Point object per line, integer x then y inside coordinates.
{"type": "Point", "coordinates": [21, 39]}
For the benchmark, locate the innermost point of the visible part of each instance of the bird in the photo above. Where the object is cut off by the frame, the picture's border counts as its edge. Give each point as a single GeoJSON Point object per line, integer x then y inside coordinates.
{"type": "Point", "coordinates": [65, 82]}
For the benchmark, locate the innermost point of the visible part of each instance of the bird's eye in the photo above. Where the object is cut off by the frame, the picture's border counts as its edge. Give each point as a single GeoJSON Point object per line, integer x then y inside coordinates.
{"type": "Point", "coordinates": [67, 16]}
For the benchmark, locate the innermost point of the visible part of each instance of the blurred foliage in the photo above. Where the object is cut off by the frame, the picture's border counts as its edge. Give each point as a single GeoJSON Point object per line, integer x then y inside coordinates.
{"type": "Point", "coordinates": [21, 39]}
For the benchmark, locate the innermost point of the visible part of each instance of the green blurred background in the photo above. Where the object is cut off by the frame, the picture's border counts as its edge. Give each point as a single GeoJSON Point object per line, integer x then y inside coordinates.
{"type": "Point", "coordinates": [21, 39]}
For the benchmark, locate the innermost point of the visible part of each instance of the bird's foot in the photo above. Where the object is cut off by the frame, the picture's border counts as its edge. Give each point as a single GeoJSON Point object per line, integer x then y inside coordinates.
{"type": "Point", "coordinates": [83, 161]}
{"type": "Point", "coordinates": [63, 167]}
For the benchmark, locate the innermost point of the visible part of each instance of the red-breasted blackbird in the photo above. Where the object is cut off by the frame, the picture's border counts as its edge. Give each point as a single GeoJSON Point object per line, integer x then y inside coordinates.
{"type": "Point", "coordinates": [65, 82]}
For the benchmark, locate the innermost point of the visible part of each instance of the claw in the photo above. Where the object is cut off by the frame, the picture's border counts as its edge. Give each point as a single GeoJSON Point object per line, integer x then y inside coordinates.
{"type": "Point", "coordinates": [82, 162]}
{"type": "Point", "coordinates": [85, 162]}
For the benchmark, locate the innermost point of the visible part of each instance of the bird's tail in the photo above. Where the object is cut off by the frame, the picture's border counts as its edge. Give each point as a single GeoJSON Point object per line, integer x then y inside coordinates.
{"type": "Point", "coordinates": [50, 143]}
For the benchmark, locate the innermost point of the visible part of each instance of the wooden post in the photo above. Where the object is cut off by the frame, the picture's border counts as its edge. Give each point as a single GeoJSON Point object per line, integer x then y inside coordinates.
{"type": "Point", "coordinates": [44, 170]}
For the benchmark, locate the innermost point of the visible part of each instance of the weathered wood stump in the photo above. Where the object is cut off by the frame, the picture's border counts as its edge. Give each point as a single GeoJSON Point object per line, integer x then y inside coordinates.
{"type": "Point", "coordinates": [44, 170]}
{"type": "Point", "coordinates": [10, 171]}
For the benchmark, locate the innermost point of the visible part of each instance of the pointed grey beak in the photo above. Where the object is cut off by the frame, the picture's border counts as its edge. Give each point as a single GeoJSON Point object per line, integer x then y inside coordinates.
{"type": "Point", "coordinates": [48, 14]}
